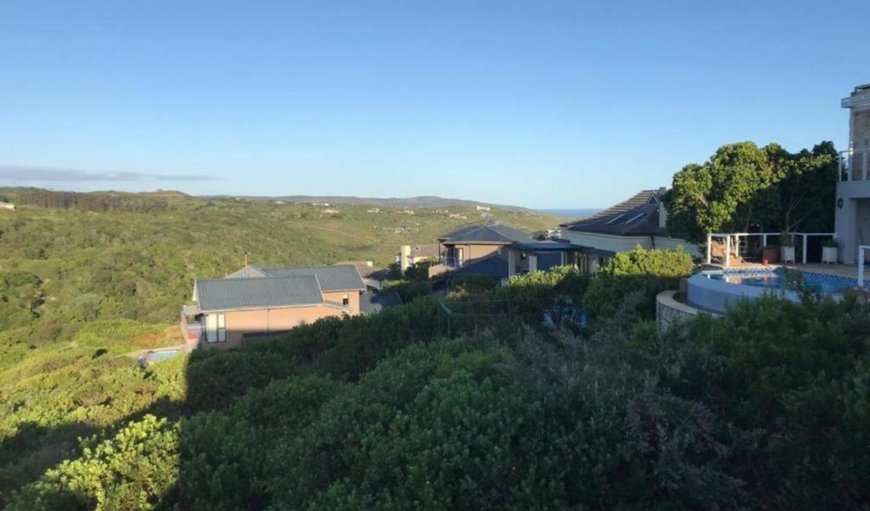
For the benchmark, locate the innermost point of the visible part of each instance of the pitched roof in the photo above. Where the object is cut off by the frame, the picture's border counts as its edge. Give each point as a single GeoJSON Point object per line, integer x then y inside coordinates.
{"type": "Point", "coordinates": [257, 293]}
{"type": "Point", "coordinates": [637, 216]}
{"type": "Point", "coordinates": [341, 277]}
{"type": "Point", "coordinates": [247, 272]}
{"type": "Point", "coordinates": [486, 234]}
{"type": "Point", "coordinates": [375, 302]}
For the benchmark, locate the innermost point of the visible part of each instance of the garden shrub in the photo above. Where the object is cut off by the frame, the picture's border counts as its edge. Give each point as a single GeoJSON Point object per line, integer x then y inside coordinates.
{"type": "Point", "coordinates": [645, 272]}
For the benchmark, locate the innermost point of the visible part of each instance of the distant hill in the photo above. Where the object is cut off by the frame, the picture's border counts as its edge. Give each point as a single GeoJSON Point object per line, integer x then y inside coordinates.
{"type": "Point", "coordinates": [425, 201]}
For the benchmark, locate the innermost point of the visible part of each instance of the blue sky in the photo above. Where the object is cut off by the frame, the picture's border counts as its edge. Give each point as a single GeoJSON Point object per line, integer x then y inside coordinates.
{"type": "Point", "coordinates": [536, 103]}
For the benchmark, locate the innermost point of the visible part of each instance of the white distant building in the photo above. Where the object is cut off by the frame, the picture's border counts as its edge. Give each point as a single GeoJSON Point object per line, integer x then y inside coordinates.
{"type": "Point", "coordinates": [640, 220]}
{"type": "Point", "coordinates": [7, 205]}
{"type": "Point", "coordinates": [483, 208]}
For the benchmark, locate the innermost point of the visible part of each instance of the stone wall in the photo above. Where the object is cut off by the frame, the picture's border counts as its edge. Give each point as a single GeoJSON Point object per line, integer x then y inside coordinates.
{"type": "Point", "coordinates": [670, 312]}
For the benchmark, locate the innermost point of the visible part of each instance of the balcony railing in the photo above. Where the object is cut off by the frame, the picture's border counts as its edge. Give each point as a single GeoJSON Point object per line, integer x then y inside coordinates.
{"type": "Point", "coordinates": [451, 262]}
{"type": "Point", "coordinates": [855, 165]}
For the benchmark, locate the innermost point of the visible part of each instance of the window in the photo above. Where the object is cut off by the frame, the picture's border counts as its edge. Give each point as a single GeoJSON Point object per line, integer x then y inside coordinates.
{"type": "Point", "coordinates": [635, 217]}
{"type": "Point", "coordinates": [215, 328]}
{"type": "Point", "coordinates": [614, 219]}
{"type": "Point", "coordinates": [345, 300]}
{"type": "Point", "coordinates": [222, 328]}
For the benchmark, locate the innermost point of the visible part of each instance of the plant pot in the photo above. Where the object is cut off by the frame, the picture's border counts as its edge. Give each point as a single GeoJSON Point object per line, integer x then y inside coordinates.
{"type": "Point", "coordinates": [829, 255]}
{"type": "Point", "coordinates": [769, 255]}
{"type": "Point", "coordinates": [787, 254]}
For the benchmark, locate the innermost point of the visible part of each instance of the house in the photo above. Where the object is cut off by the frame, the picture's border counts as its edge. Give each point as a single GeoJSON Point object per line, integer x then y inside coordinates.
{"type": "Point", "coordinates": [373, 277]}
{"type": "Point", "coordinates": [496, 250]}
{"type": "Point", "coordinates": [255, 301]}
{"type": "Point", "coordinates": [7, 205]}
{"type": "Point", "coordinates": [410, 255]}
{"type": "Point", "coordinates": [639, 220]}
{"type": "Point", "coordinates": [852, 213]}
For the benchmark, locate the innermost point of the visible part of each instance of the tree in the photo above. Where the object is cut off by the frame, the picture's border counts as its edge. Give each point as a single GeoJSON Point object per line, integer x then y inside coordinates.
{"type": "Point", "coordinates": [743, 187]}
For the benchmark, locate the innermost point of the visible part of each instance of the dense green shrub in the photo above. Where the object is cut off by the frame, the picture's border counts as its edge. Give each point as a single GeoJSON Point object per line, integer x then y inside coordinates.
{"type": "Point", "coordinates": [131, 471]}
{"type": "Point", "coordinates": [797, 375]}
{"type": "Point", "coordinates": [530, 294]}
{"type": "Point", "coordinates": [233, 473]}
{"type": "Point", "coordinates": [645, 272]}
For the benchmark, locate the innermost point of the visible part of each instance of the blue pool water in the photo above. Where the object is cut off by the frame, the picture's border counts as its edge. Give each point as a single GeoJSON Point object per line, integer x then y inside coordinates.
{"type": "Point", "coordinates": [157, 356]}
{"type": "Point", "coordinates": [775, 279]}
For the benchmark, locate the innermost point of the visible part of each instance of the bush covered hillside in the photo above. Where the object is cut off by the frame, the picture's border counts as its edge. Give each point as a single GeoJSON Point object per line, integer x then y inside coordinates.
{"type": "Point", "coordinates": [88, 280]}
{"type": "Point", "coordinates": [496, 399]}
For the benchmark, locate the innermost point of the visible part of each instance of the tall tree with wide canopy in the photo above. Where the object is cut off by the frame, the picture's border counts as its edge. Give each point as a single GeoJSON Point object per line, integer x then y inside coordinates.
{"type": "Point", "coordinates": [743, 187]}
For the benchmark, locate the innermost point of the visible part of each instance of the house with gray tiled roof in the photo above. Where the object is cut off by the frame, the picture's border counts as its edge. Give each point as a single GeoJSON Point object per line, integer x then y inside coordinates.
{"type": "Point", "coordinates": [255, 301]}
{"type": "Point", "coordinates": [639, 220]}
{"type": "Point", "coordinates": [499, 251]}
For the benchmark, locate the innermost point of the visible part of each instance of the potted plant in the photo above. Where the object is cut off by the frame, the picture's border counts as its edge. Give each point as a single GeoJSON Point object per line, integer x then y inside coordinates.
{"type": "Point", "coordinates": [770, 254]}
{"type": "Point", "coordinates": [829, 251]}
{"type": "Point", "coordinates": [786, 242]}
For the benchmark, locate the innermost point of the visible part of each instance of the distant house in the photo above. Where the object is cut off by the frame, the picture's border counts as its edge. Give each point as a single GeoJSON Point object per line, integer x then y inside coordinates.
{"type": "Point", "coordinates": [255, 301]}
{"type": "Point", "coordinates": [483, 208]}
{"type": "Point", "coordinates": [7, 205]}
{"type": "Point", "coordinates": [410, 255]}
{"type": "Point", "coordinates": [373, 277]}
{"type": "Point", "coordinates": [496, 250]}
{"type": "Point", "coordinates": [639, 220]}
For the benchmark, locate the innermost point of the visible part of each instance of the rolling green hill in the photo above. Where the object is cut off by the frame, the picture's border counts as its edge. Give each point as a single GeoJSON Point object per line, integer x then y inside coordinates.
{"type": "Point", "coordinates": [87, 280]}
{"type": "Point", "coordinates": [510, 401]}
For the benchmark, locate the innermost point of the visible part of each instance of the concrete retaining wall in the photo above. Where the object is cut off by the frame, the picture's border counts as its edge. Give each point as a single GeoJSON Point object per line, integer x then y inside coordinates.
{"type": "Point", "coordinates": [670, 312]}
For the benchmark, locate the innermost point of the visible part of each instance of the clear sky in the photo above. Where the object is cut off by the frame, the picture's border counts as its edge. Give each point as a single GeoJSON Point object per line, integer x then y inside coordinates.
{"type": "Point", "coordinates": [537, 103]}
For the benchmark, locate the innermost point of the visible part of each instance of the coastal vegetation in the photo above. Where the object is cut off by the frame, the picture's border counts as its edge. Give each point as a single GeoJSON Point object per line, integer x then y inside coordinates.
{"type": "Point", "coordinates": [555, 391]}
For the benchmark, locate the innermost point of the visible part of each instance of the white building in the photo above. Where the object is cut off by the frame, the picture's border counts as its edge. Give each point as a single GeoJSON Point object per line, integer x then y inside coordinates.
{"type": "Point", "coordinates": [852, 217]}
{"type": "Point", "coordinates": [640, 220]}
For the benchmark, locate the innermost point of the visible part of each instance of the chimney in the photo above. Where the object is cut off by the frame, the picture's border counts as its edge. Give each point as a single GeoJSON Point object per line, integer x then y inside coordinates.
{"type": "Point", "coordinates": [663, 216]}
{"type": "Point", "coordinates": [404, 258]}
{"type": "Point", "coordinates": [663, 212]}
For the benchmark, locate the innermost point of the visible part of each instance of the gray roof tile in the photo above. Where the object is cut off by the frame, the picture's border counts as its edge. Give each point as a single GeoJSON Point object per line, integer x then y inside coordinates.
{"type": "Point", "coordinates": [257, 293]}
{"type": "Point", "coordinates": [637, 216]}
{"type": "Point", "coordinates": [491, 233]}
{"type": "Point", "coordinates": [341, 277]}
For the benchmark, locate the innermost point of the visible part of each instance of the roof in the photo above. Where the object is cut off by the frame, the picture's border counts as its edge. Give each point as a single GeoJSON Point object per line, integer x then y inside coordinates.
{"type": "Point", "coordinates": [490, 234]}
{"type": "Point", "coordinates": [247, 272]}
{"type": "Point", "coordinates": [341, 277]}
{"type": "Point", "coordinates": [637, 216]}
{"type": "Point", "coordinates": [549, 246]}
{"type": "Point", "coordinates": [367, 271]}
{"type": "Point", "coordinates": [375, 302]}
{"type": "Point", "coordinates": [257, 293]}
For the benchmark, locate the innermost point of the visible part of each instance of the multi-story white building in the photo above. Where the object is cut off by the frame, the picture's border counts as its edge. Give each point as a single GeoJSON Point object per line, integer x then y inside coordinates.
{"type": "Point", "coordinates": [852, 218]}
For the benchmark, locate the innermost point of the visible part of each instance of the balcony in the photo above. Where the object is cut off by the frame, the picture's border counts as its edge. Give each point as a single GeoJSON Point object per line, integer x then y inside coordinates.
{"type": "Point", "coordinates": [855, 165]}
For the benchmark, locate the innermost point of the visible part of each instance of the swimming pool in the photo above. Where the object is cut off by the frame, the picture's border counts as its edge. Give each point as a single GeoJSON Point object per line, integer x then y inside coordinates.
{"type": "Point", "coordinates": [776, 279]}
{"type": "Point", "coordinates": [160, 355]}
{"type": "Point", "coordinates": [713, 291]}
